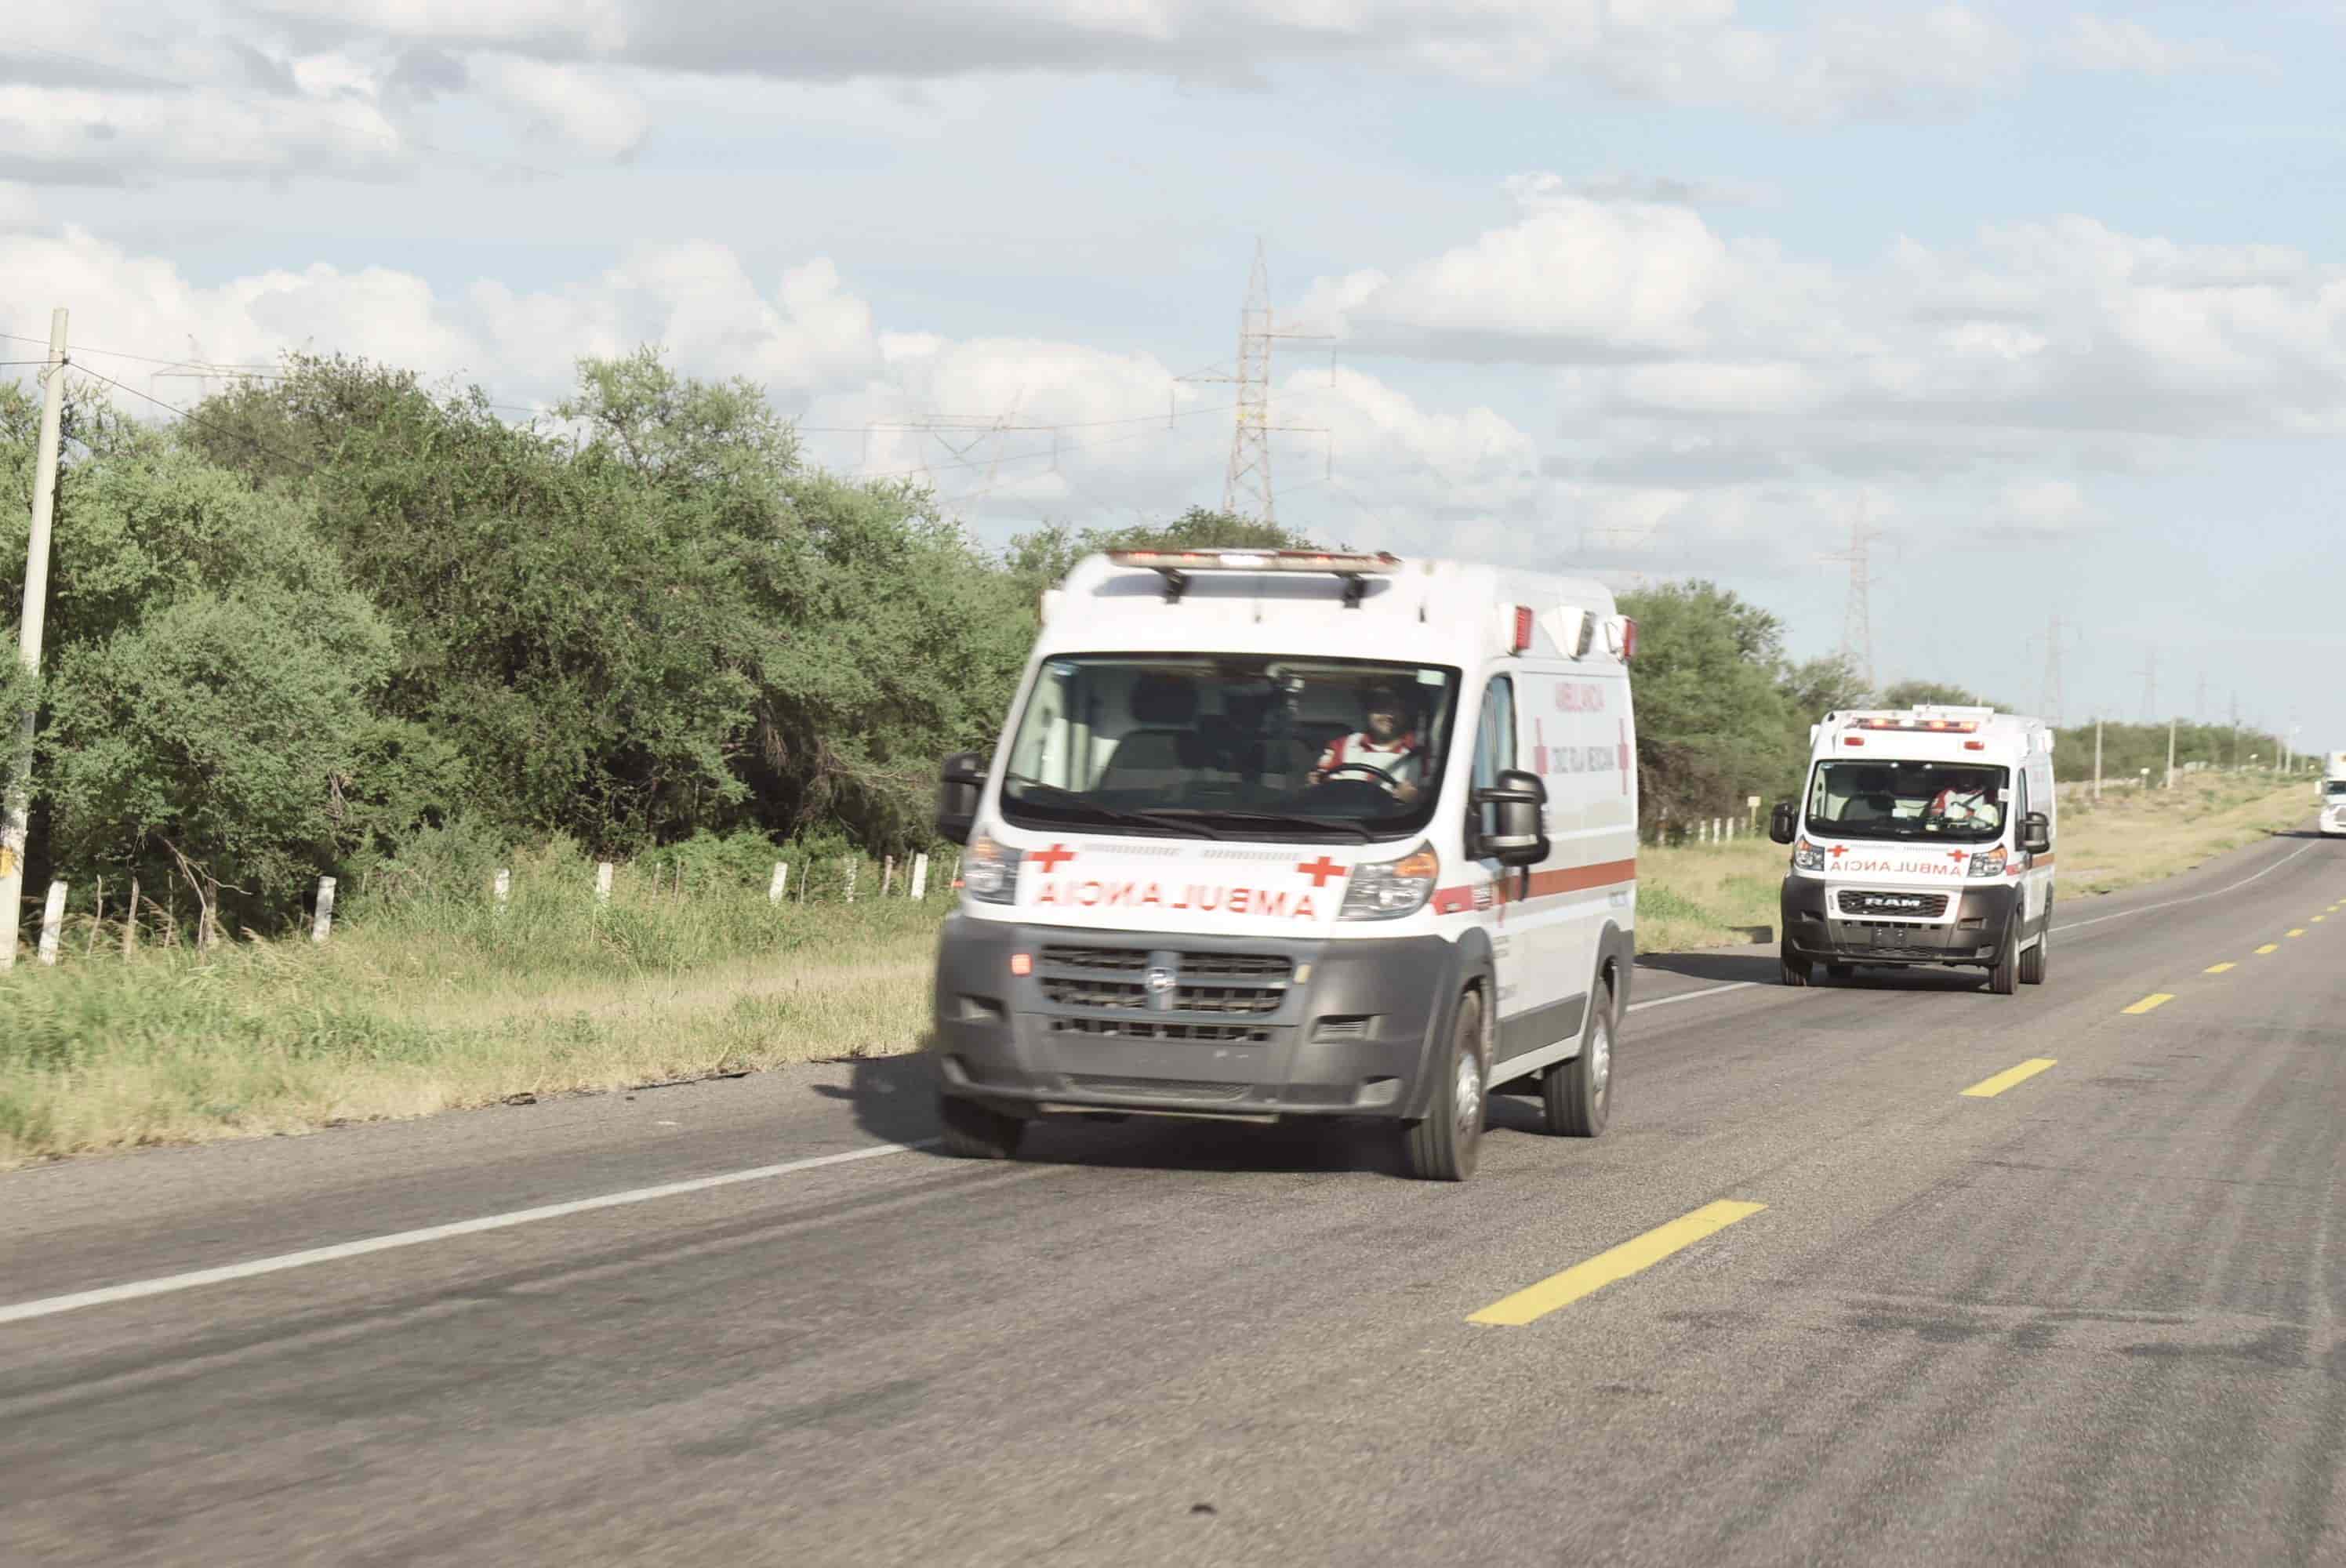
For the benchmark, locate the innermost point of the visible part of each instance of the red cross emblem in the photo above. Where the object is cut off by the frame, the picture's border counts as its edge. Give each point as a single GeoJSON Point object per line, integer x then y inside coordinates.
{"type": "Point", "coordinates": [1052, 859]}
{"type": "Point", "coordinates": [1625, 757]}
{"type": "Point", "coordinates": [1321, 870]}
{"type": "Point", "coordinates": [1957, 856]}
{"type": "Point", "coordinates": [1838, 850]}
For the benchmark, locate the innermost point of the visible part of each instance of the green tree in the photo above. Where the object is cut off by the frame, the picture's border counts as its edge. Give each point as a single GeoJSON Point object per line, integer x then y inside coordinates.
{"type": "Point", "coordinates": [1712, 718]}
{"type": "Point", "coordinates": [1043, 557]}
{"type": "Point", "coordinates": [209, 676]}
{"type": "Point", "coordinates": [1932, 693]}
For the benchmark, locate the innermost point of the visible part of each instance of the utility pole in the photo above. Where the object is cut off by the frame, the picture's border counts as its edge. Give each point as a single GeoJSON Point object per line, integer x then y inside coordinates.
{"type": "Point", "coordinates": [1247, 480]}
{"type": "Point", "coordinates": [17, 826]}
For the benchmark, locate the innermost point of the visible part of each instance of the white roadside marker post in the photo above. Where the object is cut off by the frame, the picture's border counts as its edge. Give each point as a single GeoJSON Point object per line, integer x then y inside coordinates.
{"type": "Point", "coordinates": [53, 920]}
{"type": "Point", "coordinates": [603, 882]}
{"type": "Point", "coordinates": [779, 888]}
{"type": "Point", "coordinates": [920, 879]}
{"type": "Point", "coordinates": [325, 920]}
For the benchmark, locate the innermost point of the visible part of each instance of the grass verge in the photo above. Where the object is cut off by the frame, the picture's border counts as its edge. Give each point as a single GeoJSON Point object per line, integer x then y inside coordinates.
{"type": "Point", "coordinates": [430, 1003]}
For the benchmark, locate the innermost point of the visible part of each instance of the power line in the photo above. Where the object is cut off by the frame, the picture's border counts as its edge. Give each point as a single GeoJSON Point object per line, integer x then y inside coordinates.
{"type": "Point", "coordinates": [202, 424]}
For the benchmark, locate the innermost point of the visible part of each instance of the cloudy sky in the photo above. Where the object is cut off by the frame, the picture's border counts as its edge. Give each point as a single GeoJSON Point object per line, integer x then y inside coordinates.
{"type": "Point", "coordinates": [2053, 300]}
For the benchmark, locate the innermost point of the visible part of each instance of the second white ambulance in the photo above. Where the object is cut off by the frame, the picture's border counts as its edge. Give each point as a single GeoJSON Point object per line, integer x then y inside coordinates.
{"type": "Point", "coordinates": [2332, 793]}
{"type": "Point", "coordinates": [1925, 838]}
{"type": "Point", "coordinates": [1287, 833]}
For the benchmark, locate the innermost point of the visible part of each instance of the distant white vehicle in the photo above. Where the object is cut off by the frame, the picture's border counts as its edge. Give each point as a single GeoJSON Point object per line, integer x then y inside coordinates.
{"type": "Point", "coordinates": [1925, 838]}
{"type": "Point", "coordinates": [1295, 833]}
{"type": "Point", "coordinates": [2332, 793]}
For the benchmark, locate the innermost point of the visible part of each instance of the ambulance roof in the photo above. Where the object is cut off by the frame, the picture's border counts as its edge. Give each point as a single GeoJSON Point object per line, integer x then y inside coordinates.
{"type": "Point", "coordinates": [1344, 605]}
{"type": "Point", "coordinates": [1929, 732]}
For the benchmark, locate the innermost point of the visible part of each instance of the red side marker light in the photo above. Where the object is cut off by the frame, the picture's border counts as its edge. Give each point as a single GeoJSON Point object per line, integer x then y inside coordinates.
{"type": "Point", "coordinates": [1975, 746]}
{"type": "Point", "coordinates": [1523, 627]}
{"type": "Point", "coordinates": [1628, 639]}
{"type": "Point", "coordinates": [1852, 740]}
{"type": "Point", "coordinates": [1021, 963]}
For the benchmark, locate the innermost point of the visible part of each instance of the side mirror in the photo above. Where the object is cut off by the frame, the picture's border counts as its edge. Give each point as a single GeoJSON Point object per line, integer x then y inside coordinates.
{"type": "Point", "coordinates": [1515, 838]}
{"type": "Point", "coordinates": [963, 782]}
{"type": "Point", "coordinates": [2035, 833]}
{"type": "Point", "coordinates": [1783, 822]}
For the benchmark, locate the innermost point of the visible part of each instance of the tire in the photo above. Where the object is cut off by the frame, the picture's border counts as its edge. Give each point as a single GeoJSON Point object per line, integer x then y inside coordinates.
{"type": "Point", "coordinates": [977, 1132]}
{"type": "Point", "coordinates": [1796, 968]}
{"type": "Point", "coordinates": [2004, 978]}
{"type": "Point", "coordinates": [1578, 1095]}
{"type": "Point", "coordinates": [1445, 1145]}
{"type": "Point", "coordinates": [1841, 971]}
{"type": "Point", "coordinates": [2031, 962]}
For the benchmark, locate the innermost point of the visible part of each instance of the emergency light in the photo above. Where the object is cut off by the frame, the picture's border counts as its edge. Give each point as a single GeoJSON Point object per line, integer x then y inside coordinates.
{"type": "Point", "coordinates": [1927, 726]}
{"type": "Point", "coordinates": [1175, 566]}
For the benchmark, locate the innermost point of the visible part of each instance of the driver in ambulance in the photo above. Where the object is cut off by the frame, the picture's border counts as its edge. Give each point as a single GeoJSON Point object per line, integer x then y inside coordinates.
{"type": "Point", "coordinates": [1382, 745]}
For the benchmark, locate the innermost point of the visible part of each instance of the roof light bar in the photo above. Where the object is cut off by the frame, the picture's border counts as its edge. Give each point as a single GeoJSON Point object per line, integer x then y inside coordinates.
{"type": "Point", "coordinates": [1382, 563]}
{"type": "Point", "coordinates": [1923, 726]}
{"type": "Point", "coordinates": [1175, 566]}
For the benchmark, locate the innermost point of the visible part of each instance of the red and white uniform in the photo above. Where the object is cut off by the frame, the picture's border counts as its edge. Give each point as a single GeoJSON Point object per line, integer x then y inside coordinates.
{"type": "Point", "coordinates": [1398, 761]}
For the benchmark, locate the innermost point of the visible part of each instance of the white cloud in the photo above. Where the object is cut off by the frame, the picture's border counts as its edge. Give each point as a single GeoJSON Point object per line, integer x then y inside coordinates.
{"type": "Point", "coordinates": [1008, 431]}
{"type": "Point", "coordinates": [585, 106]}
{"type": "Point", "coordinates": [2123, 44]}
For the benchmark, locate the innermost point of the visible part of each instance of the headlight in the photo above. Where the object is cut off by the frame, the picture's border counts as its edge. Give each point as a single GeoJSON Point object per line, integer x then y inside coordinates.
{"type": "Point", "coordinates": [1990, 864]}
{"type": "Point", "coordinates": [1808, 856]}
{"type": "Point", "coordinates": [989, 871]}
{"type": "Point", "coordinates": [1387, 890]}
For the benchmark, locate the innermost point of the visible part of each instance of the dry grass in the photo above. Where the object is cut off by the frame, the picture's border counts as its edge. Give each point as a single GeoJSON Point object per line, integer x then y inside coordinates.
{"type": "Point", "coordinates": [1695, 895]}
{"type": "Point", "coordinates": [417, 1012]}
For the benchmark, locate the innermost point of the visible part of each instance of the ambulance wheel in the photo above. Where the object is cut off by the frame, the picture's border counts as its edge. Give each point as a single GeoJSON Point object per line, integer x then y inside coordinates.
{"type": "Point", "coordinates": [1443, 1146]}
{"type": "Point", "coordinates": [1796, 968]}
{"type": "Point", "coordinates": [977, 1132]}
{"type": "Point", "coordinates": [1578, 1095]}
{"type": "Point", "coordinates": [2004, 978]}
{"type": "Point", "coordinates": [1841, 971]}
{"type": "Point", "coordinates": [2031, 962]}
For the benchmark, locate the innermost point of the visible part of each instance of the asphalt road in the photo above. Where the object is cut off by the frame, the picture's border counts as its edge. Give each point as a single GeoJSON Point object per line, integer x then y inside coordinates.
{"type": "Point", "coordinates": [2092, 1319]}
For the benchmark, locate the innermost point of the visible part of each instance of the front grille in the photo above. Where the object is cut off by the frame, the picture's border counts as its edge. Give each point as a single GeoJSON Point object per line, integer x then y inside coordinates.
{"type": "Point", "coordinates": [1061, 991]}
{"type": "Point", "coordinates": [1259, 967]}
{"type": "Point", "coordinates": [1217, 984]}
{"type": "Point", "coordinates": [1923, 906]}
{"type": "Point", "coordinates": [1122, 959]}
{"type": "Point", "coordinates": [1149, 1029]}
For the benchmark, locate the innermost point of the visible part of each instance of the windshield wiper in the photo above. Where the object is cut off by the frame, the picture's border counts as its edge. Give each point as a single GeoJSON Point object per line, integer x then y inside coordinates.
{"type": "Point", "coordinates": [1271, 819]}
{"type": "Point", "coordinates": [1076, 803]}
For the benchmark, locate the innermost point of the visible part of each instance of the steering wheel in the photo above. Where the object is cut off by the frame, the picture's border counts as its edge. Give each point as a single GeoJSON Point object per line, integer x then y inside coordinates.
{"type": "Point", "coordinates": [1372, 775]}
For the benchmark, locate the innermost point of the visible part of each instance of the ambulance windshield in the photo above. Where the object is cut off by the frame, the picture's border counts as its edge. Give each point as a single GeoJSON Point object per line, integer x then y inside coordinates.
{"type": "Point", "coordinates": [1231, 746]}
{"type": "Point", "coordinates": [1960, 802]}
{"type": "Point", "coordinates": [2336, 788]}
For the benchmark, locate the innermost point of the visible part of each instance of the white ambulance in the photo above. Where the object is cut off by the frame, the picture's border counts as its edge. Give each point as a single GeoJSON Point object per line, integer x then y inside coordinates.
{"type": "Point", "coordinates": [1293, 833]}
{"type": "Point", "coordinates": [2333, 791]}
{"type": "Point", "coordinates": [1925, 838]}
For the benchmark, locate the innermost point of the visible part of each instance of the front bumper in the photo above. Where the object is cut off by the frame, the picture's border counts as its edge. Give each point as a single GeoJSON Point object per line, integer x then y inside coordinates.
{"type": "Point", "coordinates": [1346, 1030]}
{"type": "Point", "coordinates": [1975, 935]}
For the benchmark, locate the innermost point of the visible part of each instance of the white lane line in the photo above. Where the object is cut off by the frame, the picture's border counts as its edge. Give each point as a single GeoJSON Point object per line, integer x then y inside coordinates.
{"type": "Point", "coordinates": [49, 1306]}
{"type": "Point", "coordinates": [2195, 897]}
{"type": "Point", "coordinates": [1693, 995]}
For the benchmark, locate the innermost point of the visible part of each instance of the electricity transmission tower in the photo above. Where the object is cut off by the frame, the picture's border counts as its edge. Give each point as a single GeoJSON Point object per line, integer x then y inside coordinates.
{"type": "Point", "coordinates": [1245, 487]}
{"type": "Point", "coordinates": [1857, 624]}
{"type": "Point", "coordinates": [2054, 699]}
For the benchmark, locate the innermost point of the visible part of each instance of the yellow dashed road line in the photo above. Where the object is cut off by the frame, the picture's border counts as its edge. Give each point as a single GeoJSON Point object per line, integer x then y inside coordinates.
{"type": "Point", "coordinates": [2269, 947]}
{"type": "Point", "coordinates": [1989, 1088]}
{"type": "Point", "coordinates": [1537, 1301]}
{"type": "Point", "coordinates": [2217, 968]}
{"type": "Point", "coordinates": [2156, 999]}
